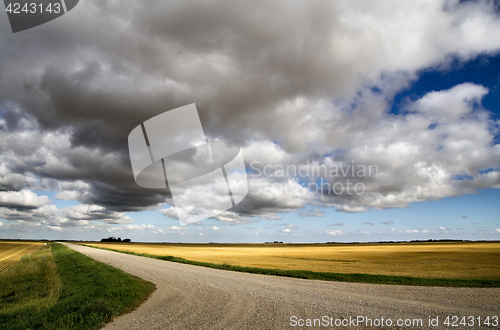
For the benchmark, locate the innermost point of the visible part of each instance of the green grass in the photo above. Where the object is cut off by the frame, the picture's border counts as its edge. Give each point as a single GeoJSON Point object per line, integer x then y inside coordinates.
{"type": "Point", "coordinates": [339, 277]}
{"type": "Point", "coordinates": [31, 284]}
{"type": "Point", "coordinates": [66, 290]}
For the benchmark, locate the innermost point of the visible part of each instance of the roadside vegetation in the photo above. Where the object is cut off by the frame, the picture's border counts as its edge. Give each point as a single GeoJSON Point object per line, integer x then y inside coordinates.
{"type": "Point", "coordinates": [330, 276]}
{"type": "Point", "coordinates": [59, 288]}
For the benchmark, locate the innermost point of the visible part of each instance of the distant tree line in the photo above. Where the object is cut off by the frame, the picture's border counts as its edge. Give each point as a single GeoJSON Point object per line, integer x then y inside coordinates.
{"type": "Point", "coordinates": [413, 241]}
{"type": "Point", "coordinates": [115, 239]}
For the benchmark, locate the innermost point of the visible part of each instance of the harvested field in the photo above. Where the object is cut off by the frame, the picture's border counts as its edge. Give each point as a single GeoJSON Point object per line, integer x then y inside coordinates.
{"type": "Point", "coordinates": [433, 259]}
{"type": "Point", "coordinates": [12, 251]}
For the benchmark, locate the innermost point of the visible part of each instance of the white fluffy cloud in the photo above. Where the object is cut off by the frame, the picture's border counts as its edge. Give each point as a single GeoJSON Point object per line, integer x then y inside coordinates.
{"type": "Point", "coordinates": [133, 227]}
{"type": "Point", "coordinates": [334, 232]}
{"type": "Point", "coordinates": [22, 199]}
{"type": "Point", "coordinates": [23, 211]}
{"type": "Point", "coordinates": [451, 105]}
{"type": "Point", "coordinates": [72, 190]}
{"type": "Point", "coordinates": [419, 158]}
{"type": "Point", "coordinates": [314, 213]}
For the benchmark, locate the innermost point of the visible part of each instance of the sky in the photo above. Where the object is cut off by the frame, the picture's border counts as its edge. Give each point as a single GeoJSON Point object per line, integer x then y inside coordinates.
{"type": "Point", "coordinates": [357, 120]}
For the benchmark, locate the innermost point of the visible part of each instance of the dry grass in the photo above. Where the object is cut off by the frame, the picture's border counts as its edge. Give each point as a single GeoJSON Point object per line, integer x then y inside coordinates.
{"type": "Point", "coordinates": [434, 260]}
{"type": "Point", "coordinates": [12, 251]}
{"type": "Point", "coordinates": [59, 288]}
{"type": "Point", "coordinates": [32, 283]}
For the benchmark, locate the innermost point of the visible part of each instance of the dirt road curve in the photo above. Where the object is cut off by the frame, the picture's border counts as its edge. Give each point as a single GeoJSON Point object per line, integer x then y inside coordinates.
{"type": "Point", "coordinates": [192, 297]}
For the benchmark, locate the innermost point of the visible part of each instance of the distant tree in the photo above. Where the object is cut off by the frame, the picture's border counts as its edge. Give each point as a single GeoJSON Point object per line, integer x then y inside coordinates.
{"type": "Point", "coordinates": [111, 239]}
{"type": "Point", "coordinates": [126, 240]}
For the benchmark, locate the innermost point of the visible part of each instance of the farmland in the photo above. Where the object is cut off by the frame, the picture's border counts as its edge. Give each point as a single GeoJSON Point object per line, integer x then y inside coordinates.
{"type": "Point", "coordinates": [429, 259]}
{"type": "Point", "coordinates": [12, 251]}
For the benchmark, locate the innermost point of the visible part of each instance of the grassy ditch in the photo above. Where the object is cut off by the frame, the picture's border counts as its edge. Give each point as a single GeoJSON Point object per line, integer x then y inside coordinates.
{"type": "Point", "coordinates": [327, 276]}
{"type": "Point", "coordinates": [59, 288]}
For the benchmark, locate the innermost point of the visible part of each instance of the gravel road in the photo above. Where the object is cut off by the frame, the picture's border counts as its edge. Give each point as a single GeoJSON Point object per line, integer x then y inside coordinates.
{"type": "Point", "coordinates": [193, 297]}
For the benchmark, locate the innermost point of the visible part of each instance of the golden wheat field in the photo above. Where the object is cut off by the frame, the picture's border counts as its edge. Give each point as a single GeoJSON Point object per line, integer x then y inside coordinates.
{"type": "Point", "coordinates": [433, 259]}
{"type": "Point", "coordinates": [13, 251]}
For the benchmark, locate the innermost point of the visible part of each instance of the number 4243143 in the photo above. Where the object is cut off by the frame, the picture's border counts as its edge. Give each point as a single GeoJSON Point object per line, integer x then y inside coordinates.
{"type": "Point", "coordinates": [455, 321]}
{"type": "Point", "coordinates": [33, 8]}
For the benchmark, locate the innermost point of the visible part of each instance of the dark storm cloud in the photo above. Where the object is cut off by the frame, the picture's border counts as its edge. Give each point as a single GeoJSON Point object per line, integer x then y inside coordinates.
{"type": "Point", "coordinates": [231, 60]}
{"type": "Point", "coordinates": [122, 198]}
{"type": "Point", "coordinates": [35, 154]}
